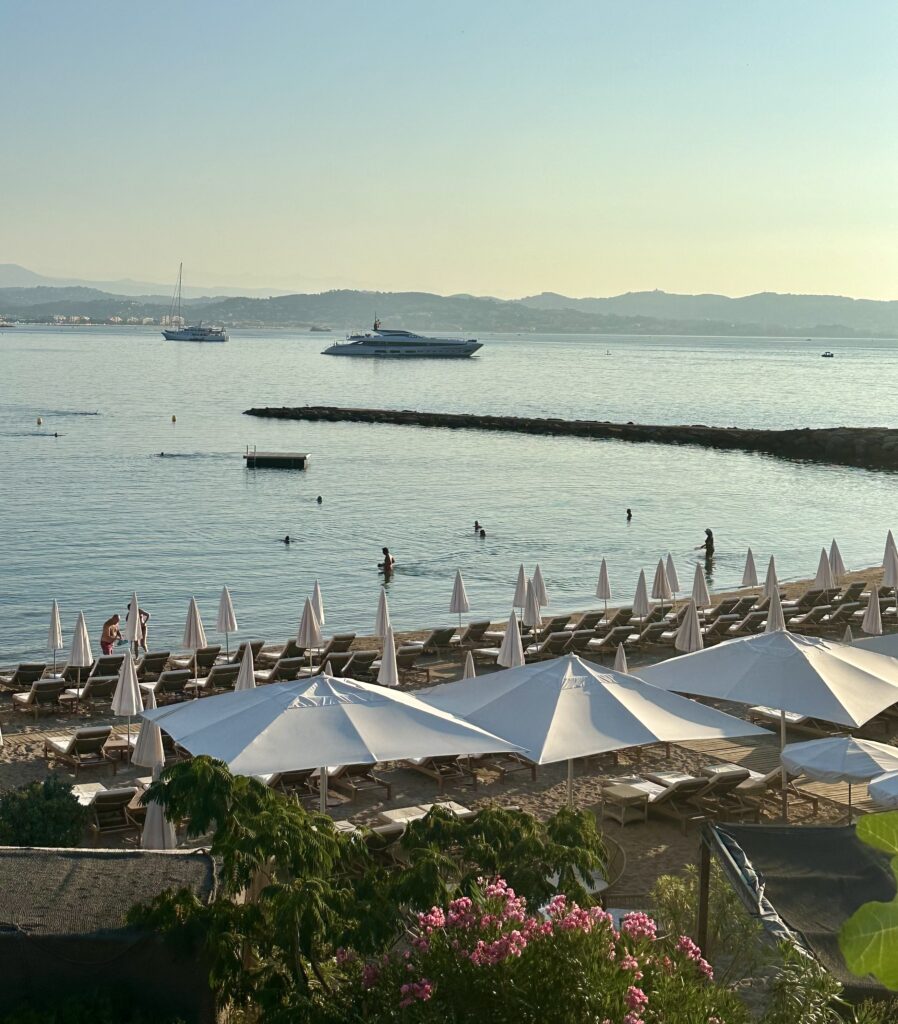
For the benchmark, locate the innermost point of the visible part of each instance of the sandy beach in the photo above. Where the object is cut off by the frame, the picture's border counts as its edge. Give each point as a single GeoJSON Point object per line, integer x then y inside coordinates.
{"type": "Point", "coordinates": [655, 848]}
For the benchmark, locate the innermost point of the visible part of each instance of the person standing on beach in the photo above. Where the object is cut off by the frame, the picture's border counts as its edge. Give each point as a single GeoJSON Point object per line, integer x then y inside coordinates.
{"type": "Point", "coordinates": [111, 634]}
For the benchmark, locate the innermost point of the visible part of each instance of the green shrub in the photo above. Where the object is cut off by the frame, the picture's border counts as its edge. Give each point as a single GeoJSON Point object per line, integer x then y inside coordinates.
{"type": "Point", "coordinates": [41, 814]}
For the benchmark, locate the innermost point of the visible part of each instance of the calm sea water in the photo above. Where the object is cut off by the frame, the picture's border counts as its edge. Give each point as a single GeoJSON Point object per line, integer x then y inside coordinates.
{"type": "Point", "coordinates": [95, 513]}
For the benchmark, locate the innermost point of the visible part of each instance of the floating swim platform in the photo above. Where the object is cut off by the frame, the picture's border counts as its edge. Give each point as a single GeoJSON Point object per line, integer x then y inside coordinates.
{"type": "Point", "coordinates": [275, 460]}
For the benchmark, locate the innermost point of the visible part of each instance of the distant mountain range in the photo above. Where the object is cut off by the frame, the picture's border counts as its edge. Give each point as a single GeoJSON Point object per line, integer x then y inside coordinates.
{"type": "Point", "coordinates": [655, 312]}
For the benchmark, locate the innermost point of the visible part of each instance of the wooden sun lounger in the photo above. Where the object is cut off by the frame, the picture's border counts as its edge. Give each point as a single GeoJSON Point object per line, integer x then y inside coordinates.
{"type": "Point", "coordinates": [673, 800]}
{"type": "Point", "coordinates": [43, 696]}
{"type": "Point", "coordinates": [607, 644]}
{"type": "Point", "coordinates": [358, 777]}
{"type": "Point", "coordinates": [96, 688]}
{"type": "Point", "coordinates": [337, 662]}
{"type": "Point", "coordinates": [473, 636]}
{"type": "Point", "coordinates": [799, 723]}
{"type": "Point", "coordinates": [237, 657]}
{"type": "Point", "coordinates": [725, 607]}
{"type": "Point", "coordinates": [221, 677]}
{"type": "Point", "coordinates": [552, 647]}
{"type": "Point", "coordinates": [805, 623]}
{"type": "Point", "coordinates": [442, 769]}
{"type": "Point", "coordinates": [83, 749]}
{"type": "Point", "coordinates": [200, 663]}
{"type": "Point", "coordinates": [24, 675]}
{"type": "Point", "coordinates": [284, 670]}
{"type": "Point", "coordinates": [151, 665]}
{"type": "Point", "coordinates": [170, 686]}
{"type": "Point", "coordinates": [360, 665]}
{"type": "Point", "coordinates": [291, 649]}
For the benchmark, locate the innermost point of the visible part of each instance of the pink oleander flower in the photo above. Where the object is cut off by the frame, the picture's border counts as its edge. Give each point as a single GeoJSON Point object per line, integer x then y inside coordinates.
{"type": "Point", "coordinates": [557, 905]}
{"type": "Point", "coordinates": [415, 990]}
{"type": "Point", "coordinates": [686, 946]}
{"type": "Point", "coordinates": [638, 926]}
{"type": "Point", "coordinates": [636, 998]}
{"type": "Point", "coordinates": [633, 1017]}
{"type": "Point", "coordinates": [370, 975]}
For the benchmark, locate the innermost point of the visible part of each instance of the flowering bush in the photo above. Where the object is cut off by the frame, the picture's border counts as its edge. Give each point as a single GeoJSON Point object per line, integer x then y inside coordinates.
{"type": "Point", "coordinates": [486, 957]}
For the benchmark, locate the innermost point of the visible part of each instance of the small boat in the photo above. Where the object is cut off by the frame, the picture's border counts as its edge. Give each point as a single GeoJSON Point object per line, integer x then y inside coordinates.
{"type": "Point", "coordinates": [382, 343]}
{"type": "Point", "coordinates": [828, 355]}
{"type": "Point", "coordinates": [195, 333]}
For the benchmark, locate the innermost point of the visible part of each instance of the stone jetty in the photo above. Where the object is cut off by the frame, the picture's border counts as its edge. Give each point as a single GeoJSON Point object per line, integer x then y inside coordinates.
{"type": "Point", "coordinates": [867, 447]}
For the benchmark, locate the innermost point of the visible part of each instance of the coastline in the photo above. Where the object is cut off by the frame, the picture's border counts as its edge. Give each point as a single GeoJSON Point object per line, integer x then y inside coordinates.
{"type": "Point", "coordinates": [874, 448]}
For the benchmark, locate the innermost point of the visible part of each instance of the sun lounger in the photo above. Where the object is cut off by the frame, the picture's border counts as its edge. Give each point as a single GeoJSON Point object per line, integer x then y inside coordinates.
{"type": "Point", "coordinates": [360, 665]}
{"type": "Point", "coordinates": [337, 662]}
{"type": "Point", "coordinates": [291, 782]}
{"type": "Point", "coordinates": [339, 643]}
{"type": "Point", "coordinates": [761, 789]}
{"type": "Point", "coordinates": [43, 696]}
{"type": "Point", "coordinates": [619, 617]}
{"type": "Point", "coordinates": [24, 675]}
{"type": "Point", "coordinates": [652, 634]}
{"type": "Point", "coordinates": [849, 594]}
{"type": "Point", "coordinates": [724, 607]}
{"type": "Point", "coordinates": [439, 640]}
{"type": "Point", "coordinates": [110, 814]}
{"type": "Point", "coordinates": [83, 749]}
{"type": "Point", "coordinates": [442, 769]}
{"type": "Point", "coordinates": [406, 659]}
{"type": "Point", "coordinates": [221, 677]}
{"type": "Point", "coordinates": [356, 778]}
{"type": "Point", "coordinates": [806, 601]}
{"type": "Point", "coordinates": [200, 664]}
{"type": "Point", "coordinates": [607, 644]}
{"type": "Point", "coordinates": [552, 647]}
{"type": "Point", "coordinates": [672, 800]}
{"type": "Point", "coordinates": [719, 799]}
{"type": "Point", "coordinates": [473, 635]}
{"type": "Point", "coordinates": [170, 686]}
{"type": "Point", "coordinates": [290, 650]}
{"type": "Point", "coordinates": [800, 723]}
{"type": "Point", "coordinates": [753, 623]}
{"type": "Point", "coordinates": [283, 671]}
{"type": "Point", "coordinates": [588, 620]}
{"type": "Point", "coordinates": [237, 657]}
{"type": "Point", "coordinates": [579, 641]}
{"type": "Point", "coordinates": [837, 619]}
{"type": "Point", "coordinates": [503, 764]}
{"type": "Point", "coordinates": [805, 623]}
{"type": "Point", "coordinates": [96, 688]}
{"type": "Point", "coordinates": [151, 666]}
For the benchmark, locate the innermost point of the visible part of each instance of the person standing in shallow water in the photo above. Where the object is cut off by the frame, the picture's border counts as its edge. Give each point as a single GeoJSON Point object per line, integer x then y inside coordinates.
{"type": "Point", "coordinates": [707, 545]}
{"type": "Point", "coordinates": [629, 514]}
{"type": "Point", "coordinates": [388, 564]}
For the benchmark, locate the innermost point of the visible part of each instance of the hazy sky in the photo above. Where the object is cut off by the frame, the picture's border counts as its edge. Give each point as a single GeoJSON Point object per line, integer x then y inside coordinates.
{"type": "Point", "coordinates": [483, 146]}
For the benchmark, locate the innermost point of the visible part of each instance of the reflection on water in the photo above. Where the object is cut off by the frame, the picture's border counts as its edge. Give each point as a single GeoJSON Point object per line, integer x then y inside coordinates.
{"type": "Point", "coordinates": [97, 514]}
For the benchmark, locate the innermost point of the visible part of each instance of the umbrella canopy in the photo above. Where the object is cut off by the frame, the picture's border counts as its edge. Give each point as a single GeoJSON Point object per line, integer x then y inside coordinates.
{"type": "Point", "coordinates": [246, 679]}
{"type": "Point", "coordinates": [126, 700]}
{"type": "Point", "coordinates": [700, 594]}
{"type": "Point", "coordinates": [883, 790]}
{"type": "Point", "coordinates": [520, 588]}
{"type": "Point", "coordinates": [807, 675]}
{"type": "Point", "coordinates": [824, 578]}
{"type": "Point", "coordinates": [567, 708]}
{"type": "Point", "coordinates": [620, 660]}
{"type": "Point", "coordinates": [835, 560]}
{"type": "Point", "coordinates": [158, 832]}
{"type": "Point", "coordinates": [458, 604]}
{"type": "Point", "coordinates": [54, 633]}
{"type": "Point", "coordinates": [133, 629]}
{"type": "Point", "coordinates": [770, 580]}
{"type": "Point", "coordinates": [148, 750]}
{"type": "Point", "coordinates": [871, 623]}
{"type": "Point", "coordinates": [641, 606]}
{"type": "Point", "coordinates": [511, 651]}
{"type": "Point", "coordinates": [382, 622]}
{"type": "Point", "coordinates": [309, 723]}
{"type": "Point", "coordinates": [840, 759]}
{"type": "Point", "coordinates": [318, 603]}
{"type": "Point", "coordinates": [775, 618]}
{"type": "Point", "coordinates": [890, 546]}
{"type": "Point", "coordinates": [749, 573]}
{"type": "Point", "coordinates": [672, 578]}
{"type": "Point", "coordinates": [661, 590]}
{"type": "Point", "coordinates": [848, 636]}
{"type": "Point", "coordinates": [469, 671]}
{"type": "Point", "coordinates": [890, 569]}
{"type": "Point", "coordinates": [540, 587]}
{"type": "Point", "coordinates": [81, 655]}
{"type": "Point", "coordinates": [603, 587]}
{"type": "Point", "coordinates": [531, 616]}
{"type": "Point", "coordinates": [388, 673]}
{"type": "Point", "coordinates": [227, 620]}
{"type": "Point", "coordinates": [309, 634]}
{"type": "Point", "coordinates": [689, 635]}
{"type": "Point", "coordinates": [194, 634]}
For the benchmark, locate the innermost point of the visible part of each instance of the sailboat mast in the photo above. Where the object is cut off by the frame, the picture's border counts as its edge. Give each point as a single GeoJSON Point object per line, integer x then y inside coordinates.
{"type": "Point", "coordinates": [180, 271]}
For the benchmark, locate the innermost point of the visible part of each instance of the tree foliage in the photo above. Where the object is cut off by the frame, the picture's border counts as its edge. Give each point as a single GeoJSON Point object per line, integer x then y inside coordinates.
{"type": "Point", "coordinates": [41, 814]}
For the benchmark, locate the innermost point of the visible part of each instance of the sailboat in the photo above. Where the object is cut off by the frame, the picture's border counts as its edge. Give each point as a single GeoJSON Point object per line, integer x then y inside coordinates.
{"type": "Point", "coordinates": [196, 333]}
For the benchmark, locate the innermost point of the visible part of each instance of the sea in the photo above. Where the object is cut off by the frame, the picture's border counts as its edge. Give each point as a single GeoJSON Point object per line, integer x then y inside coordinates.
{"type": "Point", "coordinates": [92, 510]}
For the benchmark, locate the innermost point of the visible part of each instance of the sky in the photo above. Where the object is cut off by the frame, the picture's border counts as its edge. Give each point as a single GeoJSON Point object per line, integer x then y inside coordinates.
{"type": "Point", "coordinates": [504, 148]}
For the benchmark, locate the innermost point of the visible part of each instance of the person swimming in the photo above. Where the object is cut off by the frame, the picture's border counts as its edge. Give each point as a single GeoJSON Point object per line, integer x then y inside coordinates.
{"type": "Point", "coordinates": [320, 500]}
{"type": "Point", "coordinates": [476, 525]}
{"type": "Point", "coordinates": [286, 540]}
{"type": "Point", "coordinates": [482, 533]}
{"type": "Point", "coordinates": [629, 514]}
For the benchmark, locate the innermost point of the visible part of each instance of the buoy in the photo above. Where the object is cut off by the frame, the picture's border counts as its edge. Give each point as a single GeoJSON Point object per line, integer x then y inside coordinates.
{"type": "Point", "coordinates": [174, 419]}
{"type": "Point", "coordinates": [40, 421]}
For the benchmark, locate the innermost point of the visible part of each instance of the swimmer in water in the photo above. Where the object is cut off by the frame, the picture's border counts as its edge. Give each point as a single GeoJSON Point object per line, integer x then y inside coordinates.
{"type": "Point", "coordinates": [320, 500]}
{"type": "Point", "coordinates": [476, 526]}
{"type": "Point", "coordinates": [629, 514]}
{"type": "Point", "coordinates": [287, 539]}
{"type": "Point", "coordinates": [482, 534]}
{"type": "Point", "coordinates": [388, 563]}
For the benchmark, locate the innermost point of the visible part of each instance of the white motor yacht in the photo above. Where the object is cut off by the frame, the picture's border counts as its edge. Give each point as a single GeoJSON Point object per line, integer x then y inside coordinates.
{"type": "Point", "coordinates": [382, 343]}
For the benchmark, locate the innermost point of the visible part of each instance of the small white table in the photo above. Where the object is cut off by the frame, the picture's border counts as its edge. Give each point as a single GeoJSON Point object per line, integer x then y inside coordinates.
{"type": "Point", "coordinates": [87, 791]}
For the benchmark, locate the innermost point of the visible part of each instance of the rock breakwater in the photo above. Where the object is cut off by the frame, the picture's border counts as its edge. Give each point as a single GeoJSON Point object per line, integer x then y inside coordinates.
{"type": "Point", "coordinates": [866, 447]}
